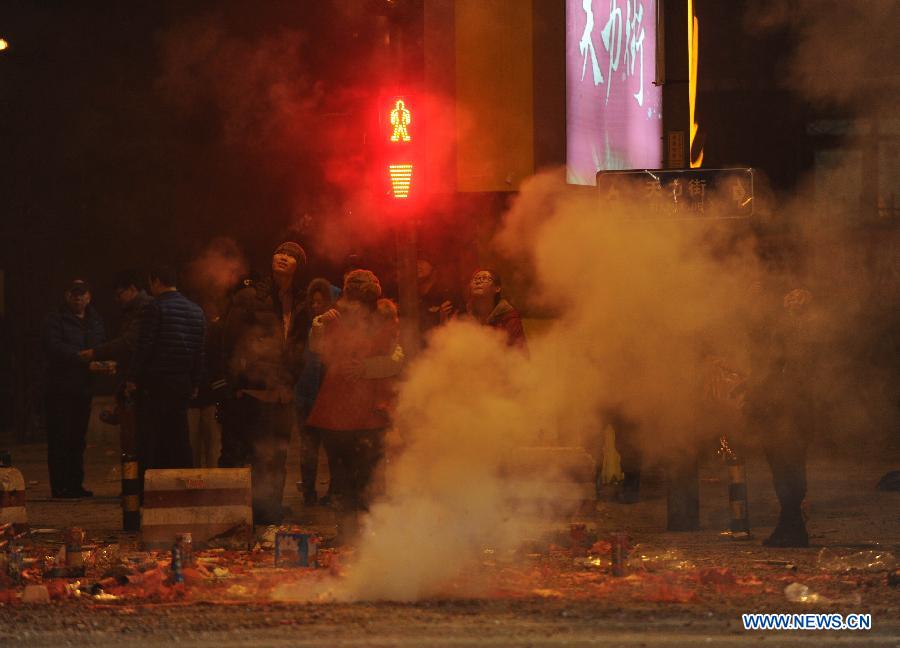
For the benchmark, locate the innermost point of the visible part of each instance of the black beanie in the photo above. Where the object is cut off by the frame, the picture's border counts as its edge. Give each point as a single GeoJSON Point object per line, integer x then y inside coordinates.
{"type": "Point", "coordinates": [292, 249]}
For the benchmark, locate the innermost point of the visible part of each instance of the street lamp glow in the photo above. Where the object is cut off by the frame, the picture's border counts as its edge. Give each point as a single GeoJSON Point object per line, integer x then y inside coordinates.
{"type": "Point", "coordinates": [4, 44]}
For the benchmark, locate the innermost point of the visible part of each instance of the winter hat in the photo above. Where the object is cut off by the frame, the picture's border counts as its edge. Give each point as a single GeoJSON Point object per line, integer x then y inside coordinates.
{"type": "Point", "coordinates": [363, 286]}
{"type": "Point", "coordinates": [292, 249]}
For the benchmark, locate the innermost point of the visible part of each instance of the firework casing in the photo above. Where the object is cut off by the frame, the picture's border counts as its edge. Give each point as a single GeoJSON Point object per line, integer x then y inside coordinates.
{"type": "Point", "coordinates": [74, 540]}
{"type": "Point", "coordinates": [737, 499]}
{"type": "Point", "coordinates": [177, 572]}
{"type": "Point", "coordinates": [618, 553]}
{"type": "Point", "coordinates": [205, 502]}
{"type": "Point", "coordinates": [131, 493]}
{"type": "Point", "coordinates": [185, 542]}
{"type": "Point", "coordinates": [12, 499]}
{"type": "Point", "coordinates": [295, 550]}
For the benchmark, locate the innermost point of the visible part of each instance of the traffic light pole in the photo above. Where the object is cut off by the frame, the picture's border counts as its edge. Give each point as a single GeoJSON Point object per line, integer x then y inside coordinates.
{"type": "Point", "coordinates": [407, 280]}
{"type": "Point", "coordinates": [405, 228]}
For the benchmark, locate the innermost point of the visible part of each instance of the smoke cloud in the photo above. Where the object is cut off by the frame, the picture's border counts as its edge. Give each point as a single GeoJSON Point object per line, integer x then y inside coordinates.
{"type": "Point", "coordinates": [215, 272]}
{"type": "Point", "coordinates": [649, 313]}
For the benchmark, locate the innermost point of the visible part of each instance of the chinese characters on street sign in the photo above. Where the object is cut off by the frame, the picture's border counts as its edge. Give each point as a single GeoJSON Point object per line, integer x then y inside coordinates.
{"type": "Point", "coordinates": [685, 193]}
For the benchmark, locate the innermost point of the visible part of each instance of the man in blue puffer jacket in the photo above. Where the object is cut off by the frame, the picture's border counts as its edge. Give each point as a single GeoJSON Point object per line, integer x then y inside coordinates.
{"type": "Point", "coordinates": [165, 372]}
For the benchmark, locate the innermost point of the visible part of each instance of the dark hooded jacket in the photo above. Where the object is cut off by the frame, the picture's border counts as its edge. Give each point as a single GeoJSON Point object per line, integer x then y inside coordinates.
{"type": "Point", "coordinates": [122, 347]}
{"type": "Point", "coordinates": [310, 378]}
{"type": "Point", "coordinates": [64, 335]}
{"type": "Point", "coordinates": [258, 354]}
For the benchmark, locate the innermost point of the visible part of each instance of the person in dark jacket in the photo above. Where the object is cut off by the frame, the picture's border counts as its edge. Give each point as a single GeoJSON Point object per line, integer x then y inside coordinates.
{"type": "Point", "coordinates": [69, 331]}
{"type": "Point", "coordinates": [165, 372]}
{"type": "Point", "coordinates": [437, 304]}
{"type": "Point", "coordinates": [781, 406]}
{"type": "Point", "coordinates": [319, 298]}
{"type": "Point", "coordinates": [487, 306]}
{"type": "Point", "coordinates": [121, 348]}
{"type": "Point", "coordinates": [205, 429]}
{"type": "Point", "coordinates": [264, 338]}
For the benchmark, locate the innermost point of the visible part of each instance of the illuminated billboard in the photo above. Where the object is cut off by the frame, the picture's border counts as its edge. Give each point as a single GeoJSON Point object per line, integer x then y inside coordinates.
{"type": "Point", "coordinates": [613, 108]}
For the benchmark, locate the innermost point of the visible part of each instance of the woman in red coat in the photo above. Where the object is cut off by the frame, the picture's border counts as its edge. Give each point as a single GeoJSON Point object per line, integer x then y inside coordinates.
{"type": "Point", "coordinates": [357, 341]}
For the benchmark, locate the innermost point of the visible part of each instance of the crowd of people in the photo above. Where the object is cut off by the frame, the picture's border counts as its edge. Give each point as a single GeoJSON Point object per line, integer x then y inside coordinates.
{"type": "Point", "coordinates": [217, 386]}
{"type": "Point", "coordinates": [225, 388]}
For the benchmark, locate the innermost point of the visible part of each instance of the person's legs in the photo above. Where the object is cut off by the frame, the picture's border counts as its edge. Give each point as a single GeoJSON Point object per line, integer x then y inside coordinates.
{"type": "Point", "coordinates": [79, 415]}
{"type": "Point", "coordinates": [179, 442]}
{"type": "Point", "coordinates": [787, 460]}
{"type": "Point", "coordinates": [238, 428]}
{"type": "Point", "coordinates": [211, 433]}
{"type": "Point", "coordinates": [338, 450]}
{"type": "Point", "coordinates": [194, 430]}
{"type": "Point", "coordinates": [628, 442]}
{"type": "Point", "coordinates": [56, 430]}
{"type": "Point", "coordinates": [171, 446]}
{"type": "Point", "coordinates": [310, 440]}
{"type": "Point", "coordinates": [269, 461]}
{"type": "Point", "coordinates": [367, 453]}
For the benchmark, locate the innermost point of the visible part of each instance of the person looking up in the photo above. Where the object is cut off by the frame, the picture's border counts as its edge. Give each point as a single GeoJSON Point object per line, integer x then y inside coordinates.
{"type": "Point", "coordinates": [488, 307]}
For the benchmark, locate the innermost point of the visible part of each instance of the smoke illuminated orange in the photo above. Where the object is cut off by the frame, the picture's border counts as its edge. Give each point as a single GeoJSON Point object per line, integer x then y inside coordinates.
{"type": "Point", "coordinates": [694, 50]}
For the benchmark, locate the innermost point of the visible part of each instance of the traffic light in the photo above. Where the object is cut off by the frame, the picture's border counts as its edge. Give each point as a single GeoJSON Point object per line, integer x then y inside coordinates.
{"type": "Point", "coordinates": [400, 134]}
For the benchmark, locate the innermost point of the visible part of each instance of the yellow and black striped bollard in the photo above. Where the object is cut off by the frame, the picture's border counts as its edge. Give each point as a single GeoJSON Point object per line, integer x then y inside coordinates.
{"type": "Point", "coordinates": [737, 499]}
{"type": "Point", "coordinates": [131, 493]}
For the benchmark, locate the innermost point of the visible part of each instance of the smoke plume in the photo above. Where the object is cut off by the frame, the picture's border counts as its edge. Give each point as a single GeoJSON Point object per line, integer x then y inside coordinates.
{"type": "Point", "coordinates": [215, 272]}
{"type": "Point", "coordinates": [647, 311]}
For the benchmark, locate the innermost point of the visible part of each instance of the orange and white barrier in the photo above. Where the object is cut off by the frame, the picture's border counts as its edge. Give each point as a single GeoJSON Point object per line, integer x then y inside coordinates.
{"type": "Point", "coordinates": [205, 502]}
{"type": "Point", "coordinates": [12, 498]}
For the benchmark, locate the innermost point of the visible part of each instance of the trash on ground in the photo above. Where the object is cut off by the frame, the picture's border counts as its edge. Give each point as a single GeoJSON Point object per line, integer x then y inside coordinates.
{"type": "Point", "coordinates": [871, 560]}
{"type": "Point", "coordinates": [800, 593]}
{"type": "Point", "coordinates": [642, 558]}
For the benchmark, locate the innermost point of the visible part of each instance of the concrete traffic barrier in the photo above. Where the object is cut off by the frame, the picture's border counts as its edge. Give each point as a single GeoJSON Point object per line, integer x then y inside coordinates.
{"type": "Point", "coordinates": [204, 502]}
{"type": "Point", "coordinates": [12, 499]}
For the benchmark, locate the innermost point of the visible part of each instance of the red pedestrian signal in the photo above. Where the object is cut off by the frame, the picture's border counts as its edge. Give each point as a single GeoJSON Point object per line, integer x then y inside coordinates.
{"type": "Point", "coordinates": [398, 131]}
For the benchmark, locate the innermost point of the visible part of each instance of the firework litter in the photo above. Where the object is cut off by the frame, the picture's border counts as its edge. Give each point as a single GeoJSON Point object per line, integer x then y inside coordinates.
{"type": "Point", "coordinates": [295, 549]}
{"type": "Point", "coordinates": [177, 572]}
{"type": "Point", "coordinates": [618, 553]}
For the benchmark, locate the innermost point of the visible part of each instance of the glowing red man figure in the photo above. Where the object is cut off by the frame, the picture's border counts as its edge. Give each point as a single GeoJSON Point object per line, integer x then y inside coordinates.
{"type": "Point", "coordinates": [400, 119]}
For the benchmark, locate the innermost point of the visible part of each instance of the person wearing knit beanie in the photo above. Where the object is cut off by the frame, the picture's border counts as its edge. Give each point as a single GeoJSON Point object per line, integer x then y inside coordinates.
{"type": "Point", "coordinates": [362, 286]}
{"type": "Point", "coordinates": [293, 249]}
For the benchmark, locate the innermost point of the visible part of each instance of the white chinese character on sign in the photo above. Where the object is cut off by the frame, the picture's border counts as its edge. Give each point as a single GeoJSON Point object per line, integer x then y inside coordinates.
{"type": "Point", "coordinates": [612, 41]}
{"type": "Point", "coordinates": [634, 36]}
{"type": "Point", "coordinates": [697, 192]}
{"type": "Point", "coordinates": [586, 45]}
{"type": "Point", "coordinates": [629, 53]}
